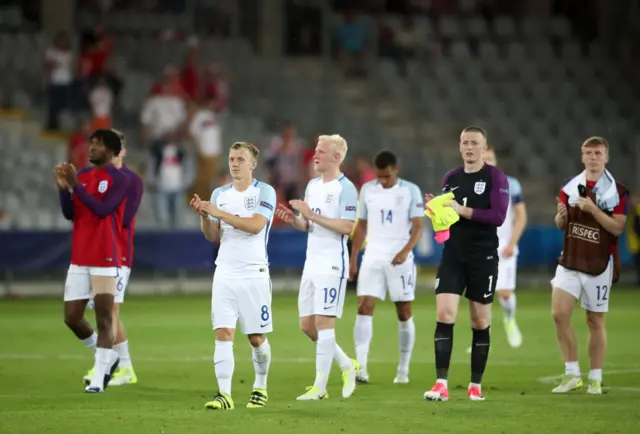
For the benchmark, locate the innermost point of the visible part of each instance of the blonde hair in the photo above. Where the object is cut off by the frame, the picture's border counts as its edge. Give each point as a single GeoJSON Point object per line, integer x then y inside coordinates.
{"type": "Point", "coordinates": [253, 149]}
{"type": "Point", "coordinates": [338, 144]}
{"type": "Point", "coordinates": [595, 141]}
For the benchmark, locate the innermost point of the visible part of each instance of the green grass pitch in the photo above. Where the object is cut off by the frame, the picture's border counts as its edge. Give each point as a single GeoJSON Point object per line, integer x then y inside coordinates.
{"type": "Point", "coordinates": [41, 366]}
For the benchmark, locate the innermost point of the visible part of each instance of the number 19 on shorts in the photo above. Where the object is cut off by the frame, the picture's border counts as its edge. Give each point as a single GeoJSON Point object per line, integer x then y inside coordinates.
{"type": "Point", "coordinates": [330, 296]}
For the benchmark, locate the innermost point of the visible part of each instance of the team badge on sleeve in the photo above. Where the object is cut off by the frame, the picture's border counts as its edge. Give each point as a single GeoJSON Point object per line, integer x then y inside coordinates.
{"type": "Point", "coordinates": [102, 186]}
{"type": "Point", "coordinates": [479, 187]}
{"type": "Point", "coordinates": [250, 202]}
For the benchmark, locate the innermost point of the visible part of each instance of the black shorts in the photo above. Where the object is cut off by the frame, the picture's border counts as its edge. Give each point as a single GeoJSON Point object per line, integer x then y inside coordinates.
{"type": "Point", "coordinates": [477, 274]}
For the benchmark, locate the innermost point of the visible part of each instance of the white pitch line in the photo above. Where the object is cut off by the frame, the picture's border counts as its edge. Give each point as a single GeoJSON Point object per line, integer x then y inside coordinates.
{"type": "Point", "coordinates": [554, 379]}
{"type": "Point", "coordinates": [204, 359]}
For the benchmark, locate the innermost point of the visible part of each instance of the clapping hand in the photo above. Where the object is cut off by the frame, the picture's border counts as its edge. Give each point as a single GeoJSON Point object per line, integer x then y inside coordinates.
{"type": "Point", "coordinates": [302, 207]}
{"type": "Point", "coordinates": [196, 206]}
{"type": "Point", "coordinates": [284, 214]}
{"type": "Point", "coordinates": [58, 174]}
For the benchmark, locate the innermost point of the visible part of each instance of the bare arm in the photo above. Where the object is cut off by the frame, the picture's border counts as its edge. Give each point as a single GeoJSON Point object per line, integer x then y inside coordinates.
{"type": "Point", "coordinates": [358, 239]}
{"type": "Point", "coordinates": [340, 226]}
{"type": "Point", "coordinates": [251, 225]}
{"type": "Point", "coordinates": [417, 227]}
{"type": "Point", "coordinates": [210, 229]}
{"type": "Point", "coordinates": [300, 223]}
{"type": "Point", "coordinates": [613, 224]}
{"type": "Point", "coordinates": [519, 222]}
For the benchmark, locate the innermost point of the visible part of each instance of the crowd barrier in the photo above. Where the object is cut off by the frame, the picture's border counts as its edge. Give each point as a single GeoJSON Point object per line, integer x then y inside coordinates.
{"type": "Point", "coordinates": [188, 250]}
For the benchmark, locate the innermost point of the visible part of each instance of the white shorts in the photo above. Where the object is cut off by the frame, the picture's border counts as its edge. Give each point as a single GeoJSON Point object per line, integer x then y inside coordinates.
{"type": "Point", "coordinates": [376, 277]}
{"type": "Point", "coordinates": [121, 286]}
{"type": "Point", "coordinates": [507, 268]}
{"type": "Point", "coordinates": [592, 291]}
{"type": "Point", "coordinates": [246, 299]}
{"type": "Point", "coordinates": [321, 294]}
{"type": "Point", "coordinates": [78, 283]}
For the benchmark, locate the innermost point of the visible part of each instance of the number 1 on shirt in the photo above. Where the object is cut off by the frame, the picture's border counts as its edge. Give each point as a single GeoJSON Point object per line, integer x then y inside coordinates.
{"type": "Point", "coordinates": [464, 201]}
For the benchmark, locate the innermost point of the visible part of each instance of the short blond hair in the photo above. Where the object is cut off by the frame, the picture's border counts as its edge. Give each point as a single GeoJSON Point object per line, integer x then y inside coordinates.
{"type": "Point", "coordinates": [253, 149]}
{"type": "Point", "coordinates": [595, 141]}
{"type": "Point", "coordinates": [338, 144]}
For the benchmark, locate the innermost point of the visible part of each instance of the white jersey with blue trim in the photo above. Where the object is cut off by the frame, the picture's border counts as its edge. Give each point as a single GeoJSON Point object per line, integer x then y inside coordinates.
{"type": "Point", "coordinates": [388, 212]}
{"type": "Point", "coordinates": [506, 230]}
{"type": "Point", "coordinates": [242, 254]}
{"type": "Point", "coordinates": [327, 251]}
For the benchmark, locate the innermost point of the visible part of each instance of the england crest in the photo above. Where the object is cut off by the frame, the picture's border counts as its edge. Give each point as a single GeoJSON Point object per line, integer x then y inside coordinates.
{"type": "Point", "coordinates": [479, 187]}
{"type": "Point", "coordinates": [250, 202]}
{"type": "Point", "coordinates": [102, 186]}
{"type": "Point", "coordinates": [329, 198]}
{"type": "Point", "coordinates": [399, 200]}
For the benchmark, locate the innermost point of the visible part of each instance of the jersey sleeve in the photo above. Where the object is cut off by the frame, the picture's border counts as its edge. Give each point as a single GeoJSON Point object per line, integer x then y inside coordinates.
{"type": "Point", "coordinates": [348, 201]}
{"type": "Point", "coordinates": [416, 207]}
{"type": "Point", "coordinates": [362, 204]}
{"type": "Point", "coordinates": [266, 201]}
{"type": "Point", "coordinates": [515, 191]}
{"type": "Point", "coordinates": [134, 198]}
{"type": "Point", "coordinates": [113, 198]}
{"type": "Point", "coordinates": [66, 204]}
{"type": "Point", "coordinates": [499, 201]}
{"type": "Point", "coordinates": [214, 198]}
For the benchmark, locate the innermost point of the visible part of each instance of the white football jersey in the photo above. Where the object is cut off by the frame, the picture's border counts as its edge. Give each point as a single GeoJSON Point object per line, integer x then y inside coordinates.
{"type": "Point", "coordinates": [243, 254]}
{"type": "Point", "coordinates": [506, 230]}
{"type": "Point", "coordinates": [388, 212]}
{"type": "Point", "coordinates": [327, 251]}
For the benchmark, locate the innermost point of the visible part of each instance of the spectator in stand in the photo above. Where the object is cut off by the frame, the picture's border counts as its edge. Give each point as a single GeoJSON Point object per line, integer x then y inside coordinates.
{"type": "Point", "coordinates": [364, 170]}
{"type": "Point", "coordinates": [353, 37]}
{"type": "Point", "coordinates": [101, 102]}
{"type": "Point", "coordinates": [284, 160]}
{"type": "Point", "coordinates": [216, 87]}
{"type": "Point", "coordinates": [409, 42]}
{"type": "Point", "coordinates": [206, 134]}
{"type": "Point", "coordinates": [190, 75]}
{"type": "Point", "coordinates": [171, 82]}
{"type": "Point", "coordinates": [163, 112]}
{"type": "Point", "coordinates": [78, 151]}
{"type": "Point", "coordinates": [59, 64]}
{"type": "Point", "coordinates": [97, 48]}
{"type": "Point", "coordinates": [169, 175]}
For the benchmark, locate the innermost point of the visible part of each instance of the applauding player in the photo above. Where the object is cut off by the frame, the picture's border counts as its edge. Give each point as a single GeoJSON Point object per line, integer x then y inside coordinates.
{"type": "Point", "coordinates": [240, 215]}
{"type": "Point", "coordinates": [469, 264]}
{"type": "Point", "coordinates": [125, 373]}
{"type": "Point", "coordinates": [327, 213]}
{"type": "Point", "coordinates": [94, 200]}
{"type": "Point", "coordinates": [390, 216]}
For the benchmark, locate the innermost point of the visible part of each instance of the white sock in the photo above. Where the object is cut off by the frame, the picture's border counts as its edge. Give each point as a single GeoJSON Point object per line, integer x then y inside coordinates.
{"type": "Point", "coordinates": [443, 381]}
{"type": "Point", "coordinates": [103, 360]}
{"type": "Point", "coordinates": [224, 363]}
{"type": "Point", "coordinates": [406, 338]}
{"type": "Point", "coordinates": [362, 334]}
{"type": "Point", "coordinates": [595, 374]}
{"type": "Point", "coordinates": [342, 359]}
{"type": "Point", "coordinates": [325, 350]}
{"type": "Point", "coordinates": [91, 342]}
{"type": "Point", "coordinates": [261, 362]}
{"type": "Point", "coordinates": [509, 306]}
{"type": "Point", "coordinates": [572, 369]}
{"type": "Point", "coordinates": [122, 349]}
